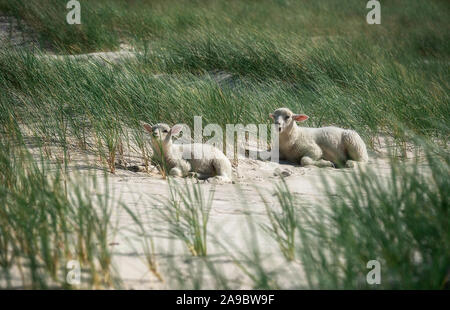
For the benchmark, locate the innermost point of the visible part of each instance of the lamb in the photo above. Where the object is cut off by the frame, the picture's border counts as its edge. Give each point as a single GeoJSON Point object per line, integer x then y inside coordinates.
{"type": "Point", "coordinates": [321, 147]}
{"type": "Point", "coordinates": [180, 159]}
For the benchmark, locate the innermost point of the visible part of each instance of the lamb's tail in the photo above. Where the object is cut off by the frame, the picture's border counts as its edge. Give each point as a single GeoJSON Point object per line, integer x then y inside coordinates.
{"type": "Point", "coordinates": [355, 146]}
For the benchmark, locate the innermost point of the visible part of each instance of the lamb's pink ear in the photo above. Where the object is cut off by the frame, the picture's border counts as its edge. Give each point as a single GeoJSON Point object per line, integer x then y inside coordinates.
{"type": "Point", "coordinates": [271, 115]}
{"type": "Point", "coordinates": [147, 127]}
{"type": "Point", "coordinates": [300, 117]}
{"type": "Point", "coordinates": [176, 129]}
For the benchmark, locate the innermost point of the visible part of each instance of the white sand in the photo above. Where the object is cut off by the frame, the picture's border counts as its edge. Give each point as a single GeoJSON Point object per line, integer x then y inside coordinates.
{"type": "Point", "coordinates": [228, 223]}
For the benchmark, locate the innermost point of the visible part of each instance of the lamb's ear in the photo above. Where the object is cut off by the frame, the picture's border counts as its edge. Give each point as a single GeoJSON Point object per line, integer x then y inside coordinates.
{"type": "Point", "coordinates": [300, 117]}
{"type": "Point", "coordinates": [176, 129]}
{"type": "Point", "coordinates": [147, 127]}
{"type": "Point", "coordinates": [271, 116]}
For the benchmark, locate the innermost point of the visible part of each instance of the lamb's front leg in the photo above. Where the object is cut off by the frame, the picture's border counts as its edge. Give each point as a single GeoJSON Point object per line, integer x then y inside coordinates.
{"type": "Point", "coordinates": [313, 157]}
{"type": "Point", "coordinates": [308, 161]}
{"type": "Point", "coordinates": [181, 169]}
{"type": "Point", "coordinates": [176, 172]}
{"type": "Point", "coordinates": [197, 175]}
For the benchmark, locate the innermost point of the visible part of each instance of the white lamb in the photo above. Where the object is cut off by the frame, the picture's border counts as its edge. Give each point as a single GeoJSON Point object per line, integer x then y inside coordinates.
{"type": "Point", "coordinates": [180, 159]}
{"type": "Point", "coordinates": [322, 147]}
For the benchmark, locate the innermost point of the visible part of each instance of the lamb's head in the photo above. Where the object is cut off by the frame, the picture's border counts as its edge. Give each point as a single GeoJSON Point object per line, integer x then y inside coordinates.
{"type": "Point", "coordinates": [284, 118]}
{"type": "Point", "coordinates": [161, 132]}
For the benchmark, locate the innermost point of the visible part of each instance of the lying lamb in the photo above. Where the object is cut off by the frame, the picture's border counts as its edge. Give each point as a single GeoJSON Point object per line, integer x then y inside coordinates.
{"type": "Point", "coordinates": [180, 160]}
{"type": "Point", "coordinates": [322, 147]}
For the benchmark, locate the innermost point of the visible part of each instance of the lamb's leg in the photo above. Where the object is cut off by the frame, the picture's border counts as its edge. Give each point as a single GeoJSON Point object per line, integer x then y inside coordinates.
{"type": "Point", "coordinates": [176, 172]}
{"type": "Point", "coordinates": [222, 168]}
{"type": "Point", "coordinates": [181, 169]}
{"type": "Point", "coordinates": [355, 147]}
{"type": "Point", "coordinates": [325, 163]}
{"type": "Point", "coordinates": [352, 163]}
{"type": "Point", "coordinates": [314, 158]}
{"type": "Point", "coordinates": [308, 161]}
{"type": "Point", "coordinates": [197, 175]}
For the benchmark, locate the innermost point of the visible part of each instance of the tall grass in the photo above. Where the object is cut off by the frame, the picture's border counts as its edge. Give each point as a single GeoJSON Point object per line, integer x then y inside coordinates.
{"type": "Point", "coordinates": [283, 222]}
{"type": "Point", "coordinates": [337, 69]}
{"type": "Point", "coordinates": [106, 101]}
{"type": "Point", "coordinates": [105, 24]}
{"type": "Point", "coordinates": [48, 219]}
{"type": "Point", "coordinates": [400, 220]}
{"type": "Point", "coordinates": [146, 240]}
{"type": "Point", "coordinates": [187, 215]}
{"type": "Point", "coordinates": [138, 137]}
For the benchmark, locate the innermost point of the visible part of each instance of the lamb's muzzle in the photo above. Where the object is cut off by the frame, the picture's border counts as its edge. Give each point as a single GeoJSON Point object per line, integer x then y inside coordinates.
{"type": "Point", "coordinates": [322, 147]}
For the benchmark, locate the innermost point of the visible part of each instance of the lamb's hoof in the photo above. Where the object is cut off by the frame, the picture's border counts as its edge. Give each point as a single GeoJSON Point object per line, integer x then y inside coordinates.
{"type": "Point", "coordinates": [325, 164]}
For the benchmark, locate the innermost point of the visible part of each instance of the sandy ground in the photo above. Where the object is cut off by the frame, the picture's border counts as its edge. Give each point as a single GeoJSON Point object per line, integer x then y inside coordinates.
{"type": "Point", "coordinates": [228, 220]}
{"type": "Point", "coordinates": [228, 228]}
{"type": "Point", "coordinates": [145, 192]}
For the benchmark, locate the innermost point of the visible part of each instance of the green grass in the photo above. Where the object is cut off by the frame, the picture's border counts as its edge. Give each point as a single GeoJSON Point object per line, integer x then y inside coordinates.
{"type": "Point", "coordinates": [143, 233]}
{"type": "Point", "coordinates": [317, 58]}
{"type": "Point", "coordinates": [48, 218]}
{"type": "Point", "coordinates": [105, 101]}
{"type": "Point", "coordinates": [106, 23]}
{"type": "Point", "coordinates": [283, 222]}
{"type": "Point", "coordinates": [400, 220]}
{"type": "Point", "coordinates": [187, 214]}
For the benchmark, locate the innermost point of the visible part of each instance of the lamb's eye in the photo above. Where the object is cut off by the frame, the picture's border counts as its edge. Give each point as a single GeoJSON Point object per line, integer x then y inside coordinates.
{"type": "Point", "coordinates": [287, 117]}
{"type": "Point", "coordinates": [165, 131]}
